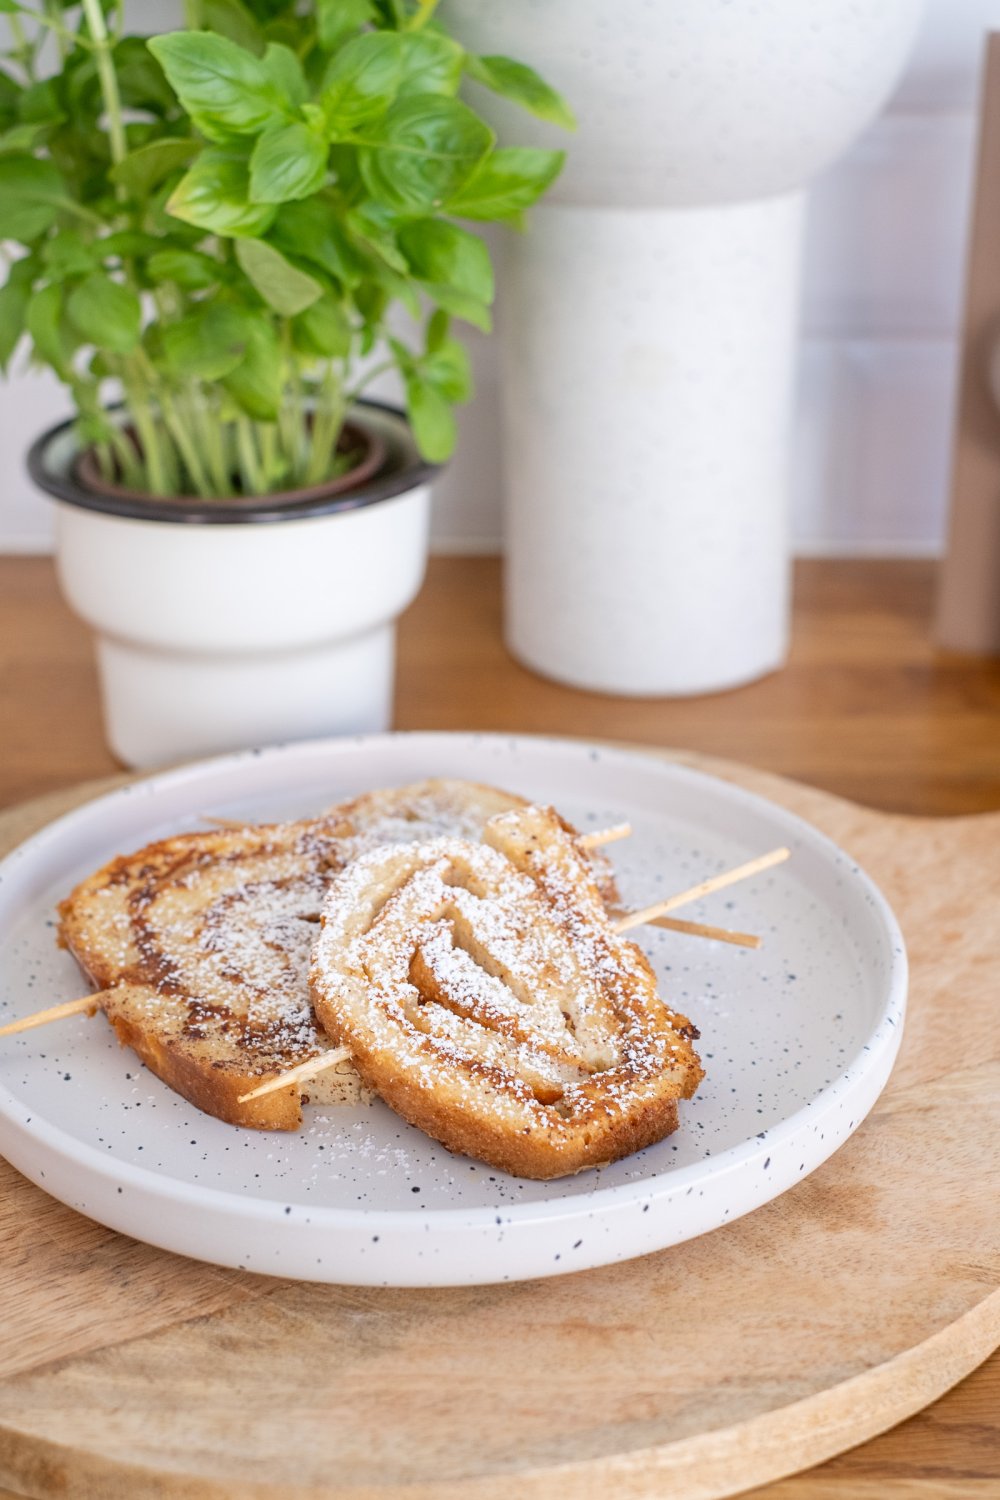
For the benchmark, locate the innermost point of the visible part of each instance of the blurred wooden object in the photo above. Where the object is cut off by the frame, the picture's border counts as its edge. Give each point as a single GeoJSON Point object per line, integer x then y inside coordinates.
{"type": "Point", "coordinates": [969, 603]}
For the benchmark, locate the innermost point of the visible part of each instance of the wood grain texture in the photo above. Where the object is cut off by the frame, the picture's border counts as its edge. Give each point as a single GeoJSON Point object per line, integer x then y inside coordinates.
{"type": "Point", "coordinates": [808, 1326]}
{"type": "Point", "coordinates": [866, 708]}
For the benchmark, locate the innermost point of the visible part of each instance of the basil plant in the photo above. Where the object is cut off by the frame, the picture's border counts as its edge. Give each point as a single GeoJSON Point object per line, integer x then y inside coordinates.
{"type": "Point", "coordinates": [215, 223]}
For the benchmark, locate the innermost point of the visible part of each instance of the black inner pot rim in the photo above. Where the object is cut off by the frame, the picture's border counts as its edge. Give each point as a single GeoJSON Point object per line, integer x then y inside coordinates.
{"type": "Point", "coordinates": [404, 470]}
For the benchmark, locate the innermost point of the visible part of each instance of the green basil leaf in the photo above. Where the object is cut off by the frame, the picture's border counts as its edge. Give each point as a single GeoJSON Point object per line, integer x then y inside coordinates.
{"type": "Point", "coordinates": [272, 12]}
{"type": "Point", "coordinates": [336, 19]}
{"type": "Point", "coordinates": [145, 168]}
{"type": "Point", "coordinates": [288, 162]}
{"type": "Point", "coordinates": [143, 133]}
{"type": "Point", "coordinates": [282, 285]}
{"type": "Point", "coordinates": [25, 270]}
{"type": "Point", "coordinates": [14, 299]}
{"type": "Point", "coordinates": [285, 72]}
{"type": "Point", "coordinates": [81, 86]}
{"type": "Point", "coordinates": [31, 194]}
{"type": "Point", "coordinates": [209, 344]}
{"type": "Point", "coordinates": [431, 418]}
{"type": "Point", "coordinates": [230, 18]}
{"type": "Point", "coordinates": [161, 222]}
{"type": "Point", "coordinates": [225, 89]}
{"type": "Point", "coordinates": [398, 288]}
{"type": "Point", "coordinates": [405, 359]}
{"type": "Point", "coordinates": [371, 301]}
{"type": "Point", "coordinates": [256, 384]}
{"type": "Point", "coordinates": [426, 149]}
{"type": "Point", "coordinates": [20, 140]}
{"type": "Point", "coordinates": [105, 313]}
{"type": "Point", "coordinates": [141, 82]}
{"type": "Point", "coordinates": [129, 244]}
{"type": "Point", "coordinates": [323, 330]}
{"type": "Point", "coordinates": [461, 305]}
{"type": "Point", "coordinates": [214, 195]}
{"type": "Point", "coordinates": [521, 85]}
{"type": "Point", "coordinates": [44, 322]}
{"type": "Point", "coordinates": [188, 269]}
{"type": "Point", "coordinates": [377, 236]}
{"type": "Point", "coordinates": [432, 64]}
{"type": "Point", "coordinates": [506, 183]}
{"type": "Point", "coordinates": [40, 104]}
{"type": "Point", "coordinates": [285, 30]}
{"type": "Point", "coordinates": [442, 253]}
{"type": "Point", "coordinates": [448, 370]}
{"type": "Point", "coordinates": [10, 94]}
{"type": "Point", "coordinates": [311, 230]}
{"type": "Point", "coordinates": [437, 330]}
{"type": "Point", "coordinates": [69, 254]}
{"type": "Point", "coordinates": [391, 13]}
{"type": "Point", "coordinates": [361, 81]}
{"type": "Point", "coordinates": [347, 173]}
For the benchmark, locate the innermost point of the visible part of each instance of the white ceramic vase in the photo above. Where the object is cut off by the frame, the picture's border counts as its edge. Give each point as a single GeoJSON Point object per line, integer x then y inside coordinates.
{"type": "Point", "coordinates": [649, 321]}
{"type": "Point", "coordinates": [221, 635]}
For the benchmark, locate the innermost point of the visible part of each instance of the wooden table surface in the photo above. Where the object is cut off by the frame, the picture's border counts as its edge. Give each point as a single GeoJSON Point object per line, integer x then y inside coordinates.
{"type": "Point", "coordinates": [866, 708]}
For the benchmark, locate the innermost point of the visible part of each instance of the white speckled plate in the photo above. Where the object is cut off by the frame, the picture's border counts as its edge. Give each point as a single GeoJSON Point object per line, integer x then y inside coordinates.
{"type": "Point", "coordinates": [797, 1038]}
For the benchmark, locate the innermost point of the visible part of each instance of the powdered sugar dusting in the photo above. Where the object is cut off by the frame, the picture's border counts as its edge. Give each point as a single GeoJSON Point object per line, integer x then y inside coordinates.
{"type": "Point", "coordinates": [489, 974]}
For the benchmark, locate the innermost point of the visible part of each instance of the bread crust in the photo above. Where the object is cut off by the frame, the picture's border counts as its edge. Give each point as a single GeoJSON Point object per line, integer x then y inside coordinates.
{"type": "Point", "coordinates": [486, 997]}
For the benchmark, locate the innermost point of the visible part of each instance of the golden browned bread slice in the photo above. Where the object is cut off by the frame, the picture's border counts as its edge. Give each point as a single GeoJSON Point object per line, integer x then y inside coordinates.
{"type": "Point", "coordinates": [485, 995]}
{"type": "Point", "coordinates": [200, 944]}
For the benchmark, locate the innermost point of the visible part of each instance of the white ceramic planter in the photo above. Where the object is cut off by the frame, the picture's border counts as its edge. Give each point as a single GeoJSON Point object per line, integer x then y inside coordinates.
{"type": "Point", "coordinates": [217, 636]}
{"type": "Point", "coordinates": [649, 322]}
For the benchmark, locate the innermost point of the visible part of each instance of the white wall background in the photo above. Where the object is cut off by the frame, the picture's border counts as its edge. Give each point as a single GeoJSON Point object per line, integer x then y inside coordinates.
{"type": "Point", "coordinates": [884, 267]}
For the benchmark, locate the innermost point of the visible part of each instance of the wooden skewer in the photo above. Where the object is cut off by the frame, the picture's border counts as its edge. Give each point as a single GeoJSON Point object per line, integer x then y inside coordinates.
{"type": "Point", "coordinates": [88, 1006]}
{"type": "Point", "coordinates": [704, 888]}
{"type": "Point", "coordinates": [297, 1074]}
{"type": "Point", "coordinates": [701, 929]}
{"type": "Point", "coordinates": [604, 836]}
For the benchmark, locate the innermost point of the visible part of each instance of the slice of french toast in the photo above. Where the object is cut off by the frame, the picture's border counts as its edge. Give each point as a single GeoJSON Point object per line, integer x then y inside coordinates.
{"type": "Point", "coordinates": [200, 944]}
{"type": "Point", "coordinates": [486, 996]}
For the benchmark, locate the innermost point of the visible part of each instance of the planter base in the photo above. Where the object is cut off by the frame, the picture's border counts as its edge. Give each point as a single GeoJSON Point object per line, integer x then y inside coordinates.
{"type": "Point", "coordinates": [162, 706]}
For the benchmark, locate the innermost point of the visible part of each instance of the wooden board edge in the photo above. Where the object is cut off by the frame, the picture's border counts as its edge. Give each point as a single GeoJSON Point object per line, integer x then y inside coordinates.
{"type": "Point", "coordinates": [711, 1466]}
{"type": "Point", "coordinates": [717, 1465]}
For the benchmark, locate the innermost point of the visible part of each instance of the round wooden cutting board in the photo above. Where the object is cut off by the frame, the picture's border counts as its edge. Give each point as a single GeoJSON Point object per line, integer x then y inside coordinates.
{"type": "Point", "coordinates": [814, 1323]}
